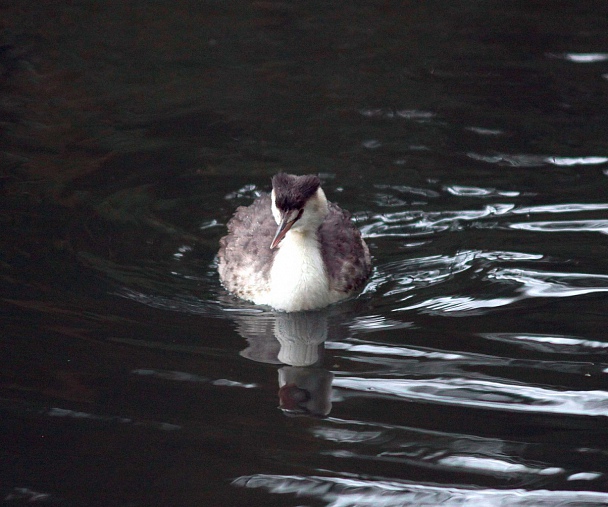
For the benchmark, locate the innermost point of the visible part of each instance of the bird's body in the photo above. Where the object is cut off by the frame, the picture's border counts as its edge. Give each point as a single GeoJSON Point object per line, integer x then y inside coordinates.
{"type": "Point", "coordinates": [316, 256]}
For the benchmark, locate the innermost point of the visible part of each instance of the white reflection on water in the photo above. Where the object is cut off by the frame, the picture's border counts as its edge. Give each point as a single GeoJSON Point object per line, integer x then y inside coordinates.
{"type": "Point", "coordinates": [233, 383]}
{"type": "Point", "coordinates": [371, 144]}
{"type": "Point", "coordinates": [426, 363]}
{"type": "Point", "coordinates": [442, 452]}
{"type": "Point", "coordinates": [208, 224]}
{"type": "Point", "coordinates": [550, 343]}
{"type": "Point", "coordinates": [351, 492]}
{"type": "Point", "coordinates": [483, 394]}
{"type": "Point", "coordinates": [462, 191]}
{"type": "Point", "coordinates": [528, 284]}
{"type": "Point", "coordinates": [527, 160]}
{"type": "Point", "coordinates": [410, 223]}
{"type": "Point", "coordinates": [344, 435]}
{"type": "Point", "coordinates": [560, 208]}
{"type": "Point", "coordinates": [462, 304]}
{"type": "Point", "coordinates": [247, 191]}
{"type": "Point", "coordinates": [385, 350]}
{"type": "Point", "coordinates": [376, 323]}
{"type": "Point", "coordinates": [553, 284]}
{"type": "Point", "coordinates": [564, 226]}
{"type": "Point", "coordinates": [28, 495]}
{"type": "Point", "coordinates": [495, 466]}
{"type": "Point", "coordinates": [484, 131]}
{"type": "Point", "coordinates": [580, 57]}
{"type": "Point", "coordinates": [585, 476]}
{"type": "Point", "coordinates": [181, 251]}
{"type": "Point", "coordinates": [406, 275]}
{"type": "Point", "coordinates": [406, 114]}
{"type": "Point", "coordinates": [414, 223]}
{"type": "Point", "coordinates": [567, 161]}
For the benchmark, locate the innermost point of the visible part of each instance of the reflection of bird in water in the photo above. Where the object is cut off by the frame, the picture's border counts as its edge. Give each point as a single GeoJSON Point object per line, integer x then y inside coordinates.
{"type": "Point", "coordinates": [294, 339]}
{"type": "Point", "coordinates": [293, 250]}
{"type": "Point", "coordinates": [305, 391]}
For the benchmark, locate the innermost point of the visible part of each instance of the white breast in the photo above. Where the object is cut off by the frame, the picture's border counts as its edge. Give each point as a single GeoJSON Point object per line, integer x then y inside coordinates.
{"type": "Point", "coordinates": [298, 280]}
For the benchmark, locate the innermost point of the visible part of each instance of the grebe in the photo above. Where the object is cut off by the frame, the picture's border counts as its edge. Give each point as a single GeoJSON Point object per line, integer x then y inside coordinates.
{"type": "Point", "coordinates": [293, 250]}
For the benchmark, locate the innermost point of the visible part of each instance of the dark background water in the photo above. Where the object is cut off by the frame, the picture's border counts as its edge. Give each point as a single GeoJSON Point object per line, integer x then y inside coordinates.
{"type": "Point", "coordinates": [470, 141]}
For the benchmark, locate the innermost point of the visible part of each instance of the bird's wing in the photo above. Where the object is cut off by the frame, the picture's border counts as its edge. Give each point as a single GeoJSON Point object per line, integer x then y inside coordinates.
{"type": "Point", "coordinates": [246, 247]}
{"type": "Point", "coordinates": [344, 252]}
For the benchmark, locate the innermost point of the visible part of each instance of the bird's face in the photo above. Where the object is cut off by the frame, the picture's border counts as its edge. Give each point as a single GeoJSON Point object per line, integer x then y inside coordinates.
{"type": "Point", "coordinates": [285, 221]}
{"type": "Point", "coordinates": [305, 219]}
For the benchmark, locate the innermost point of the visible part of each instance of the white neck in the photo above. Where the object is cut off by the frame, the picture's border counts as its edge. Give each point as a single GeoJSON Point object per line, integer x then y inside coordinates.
{"type": "Point", "coordinates": [298, 280]}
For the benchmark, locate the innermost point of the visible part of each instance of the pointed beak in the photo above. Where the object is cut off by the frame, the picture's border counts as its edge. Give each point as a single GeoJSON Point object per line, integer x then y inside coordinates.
{"type": "Point", "coordinates": [283, 228]}
{"type": "Point", "coordinates": [287, 221]}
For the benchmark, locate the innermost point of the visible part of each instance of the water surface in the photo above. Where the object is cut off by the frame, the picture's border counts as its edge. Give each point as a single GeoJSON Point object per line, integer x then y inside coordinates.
{"type": "Point", "coordinates": [469, 142]}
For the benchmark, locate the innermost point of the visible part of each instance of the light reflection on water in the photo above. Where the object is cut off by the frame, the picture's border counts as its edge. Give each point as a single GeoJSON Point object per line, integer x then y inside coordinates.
{"type": "Point", "coordinates": [412, 222]}
{"type": "Point", "coordinates": [523, 160]}
{"type": "Point", "coordinates": [347, 492]}
{"type": "Point", "coordinates": [554, 344]}
{"type": "Point", "coordinates": [482, 394]}
{"type": "Point", "coordinates": [581, 57]}
{"type": "Point", "coordinates": [565, 226]}
{"type": "Point", "coordinates": [528, 284]}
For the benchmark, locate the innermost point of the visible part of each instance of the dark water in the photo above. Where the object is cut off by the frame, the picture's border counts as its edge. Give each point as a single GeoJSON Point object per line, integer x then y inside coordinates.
{"type": "Point", "coordinates": [470, 141]}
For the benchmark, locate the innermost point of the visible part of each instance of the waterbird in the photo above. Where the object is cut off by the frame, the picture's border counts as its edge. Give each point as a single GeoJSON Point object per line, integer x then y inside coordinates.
{"type": "Point", "coordinates": [292, 249]}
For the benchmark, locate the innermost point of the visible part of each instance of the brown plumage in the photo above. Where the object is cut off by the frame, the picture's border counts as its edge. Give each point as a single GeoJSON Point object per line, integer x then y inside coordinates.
{"type": "Point", "coordinates": [292, 192]}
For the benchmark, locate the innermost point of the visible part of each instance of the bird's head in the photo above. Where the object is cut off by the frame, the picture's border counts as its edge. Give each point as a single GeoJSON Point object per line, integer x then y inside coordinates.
{"type": "Point", "coordinates": [298, 204]}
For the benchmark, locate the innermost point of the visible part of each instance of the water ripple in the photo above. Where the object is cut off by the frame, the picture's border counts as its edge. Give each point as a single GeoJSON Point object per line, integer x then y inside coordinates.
{"type": "Point", "coordinates": [564, 226]}
{"type": "Point", "coordinates": [415, 223]}
{"type": "Point", "coordinates": [527, 160]}
{"type": "Point", "coordinates": [411, 223]}
{"type": "Point", "coordinates": [247, 191]}
{"type": "Point", "coordinates": [377, 323]}
{"type": "Point", "coordinates": [422, 362]}
{"type": "Point", "coordinates": [400, 278]}
{"type": "Point", "coordinates": [483, 394]}
{"type": "Point", "coordinates": [392, 196]}
{"type": "Point", "coordinates": [74, 414]}
{"type": "Point", "coordinates": [560, 208]}
{"type": "Point", "coordinates": [552, 284]}
{"type": "Point", "coordinates": [385, 350]}
{"type": "Point", "coordinates": [437, 268]}
{"type": "Point", "coordinates": [494, 466]}
{"type": "Point", "coordinates": [465, 305]}
{"type": "Point", "coordinates": [462, 191]}
{"type": "Point", "coordinates": [550, 343]}
{"type": "Point", "coordinates": [28, 495]}
{"type": "Point", "coordinates": [350, 492]}
{"type": "Point", "coordinates": [524, 284]}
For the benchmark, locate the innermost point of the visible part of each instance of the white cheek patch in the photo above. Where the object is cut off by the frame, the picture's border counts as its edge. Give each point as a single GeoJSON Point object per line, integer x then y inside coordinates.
{"type": "Point", "coordinates": [275, 211]}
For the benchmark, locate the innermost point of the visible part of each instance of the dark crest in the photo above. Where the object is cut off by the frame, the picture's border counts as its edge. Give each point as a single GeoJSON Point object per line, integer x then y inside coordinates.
{"type": "Point", "coordinates": [292, 191]}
